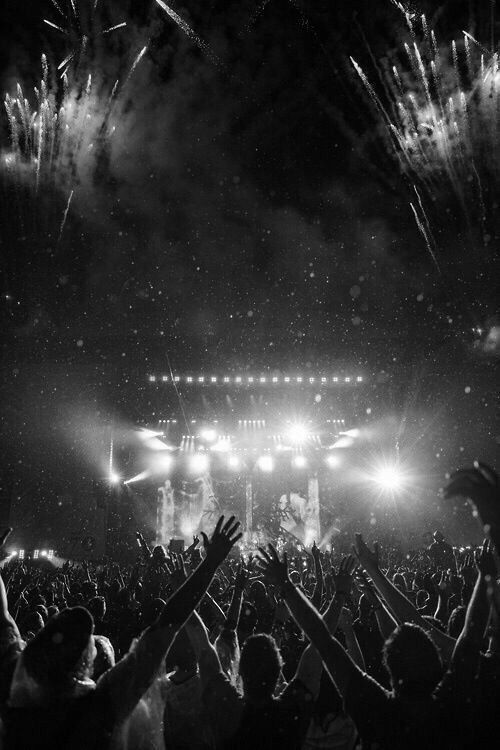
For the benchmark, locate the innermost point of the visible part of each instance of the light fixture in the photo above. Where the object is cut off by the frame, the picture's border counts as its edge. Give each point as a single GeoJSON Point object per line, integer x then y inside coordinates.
{"type": "Point", "coordinates": [333, 461]}
{"type": "Point", "coordinates": [233, 462]}
{"type": "Point", "coordinates": [389, 477]}
{"type": "Point", "coordinates": [36, 553]}
{"type": "Point", "coordinates": [114, 478]}
{"type": "Point", "coordinates": [43, 553]}
{"type": "Point", "coordinates": [265, 463]}
{"type": "Point", "coordinates": [50, 554]}
{"type": "Point", "coordinates": [198, 463]}
{"type": "Point", "coordinates": [299, 462]}
{"type": "Point", "coordinates": [298, 433]}
{"type": "Point", "coordinates": [209, 434]}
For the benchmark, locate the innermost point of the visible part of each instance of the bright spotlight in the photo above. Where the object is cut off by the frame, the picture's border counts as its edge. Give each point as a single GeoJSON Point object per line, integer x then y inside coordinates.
{"type": "Point", "coordinates": [209, 434]}
{"type": "Point", "coordinates": [43, 553]}
{"type": "Point", "coordinates": [233, 462]}
{"type": "Point", "coordinates": [300, 462]}
{"type": "Point", "coordinates": [114, 478]}
{"type": "Point", "coordinates": [265, 463]}
{"type": "Point", "coordinates": [298, 433]}
{"type": "Point", "coordinates": [333, 461]}
{"type": "Point", "coordinates": [389, 477]}
{"type": "Point", "coordinates": [198, 463]}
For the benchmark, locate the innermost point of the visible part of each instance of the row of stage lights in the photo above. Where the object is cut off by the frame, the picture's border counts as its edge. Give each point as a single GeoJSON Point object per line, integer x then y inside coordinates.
{"type": "Point", "coordinates": [247, 424]}
{"type": "Point", "coordinates": [198, 464]}
{"type": "Point", "coordinates": [37, 553]}
{"type": "Point", "coordinates": [387, 477]}
{"type": "Point", "coordinates": [253, 380]}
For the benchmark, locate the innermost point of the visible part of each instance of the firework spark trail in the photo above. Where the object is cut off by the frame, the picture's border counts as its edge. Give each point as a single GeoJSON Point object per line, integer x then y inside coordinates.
{"type": "Point", "coordinates": [65, 216]}
{"type": "Point", "coordinates": [114, 28]}
{"type": "Point", "coordinates": [424, 234]}
{"type": "Point", "coordinates": [255, 15]}
{"type": "Point", "coordinates": [55, 26]}
{"type": "Point", "coordinates": [134, 66]}
{"type": "Point", "coordinates": [205, 48]}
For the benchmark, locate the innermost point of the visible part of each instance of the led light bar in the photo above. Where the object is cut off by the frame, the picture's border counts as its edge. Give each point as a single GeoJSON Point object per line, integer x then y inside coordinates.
{"type": "Point", "coordinates": [256, 379]}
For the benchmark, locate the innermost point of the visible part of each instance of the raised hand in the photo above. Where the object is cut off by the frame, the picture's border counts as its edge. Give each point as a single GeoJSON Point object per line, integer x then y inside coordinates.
{"type": "Point", "coordinates": [223, 538]}
{"type": "Point", "coordinates": [177, 571]}
{"type": "Point", "coordinates": [467, 570]}
{"type": "Point", "coordinates": [368, 559]}
{"type": "Point", "coordinates": [481, 486]}
{"type": "Point", "coordinates": [314, 551]}
{"type": "Point", "coordinates": [344, 578]}
{"type": "Point", "coordinates": [275, 570]}
{"type": "Point", "coordinates": [485, 560]}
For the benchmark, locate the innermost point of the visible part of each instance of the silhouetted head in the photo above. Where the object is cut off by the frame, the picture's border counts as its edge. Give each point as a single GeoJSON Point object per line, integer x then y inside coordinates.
{"type": "Point", "coordinates": [260, 667]}
{"type": "Point", "coordinates": [412, 661]}
{"type": "Point", "coordinates": [63, 650]}
{"type": "Point", "coordinates": [257, 591]}
{"type": "Point", "coordinates": [97, 607]}
{"type": "Point", "coordinates": [438, 536]}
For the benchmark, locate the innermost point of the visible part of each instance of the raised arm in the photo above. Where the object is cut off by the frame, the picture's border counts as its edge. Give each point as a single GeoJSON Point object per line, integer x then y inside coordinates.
{"type": "Point", "coordinates": [233, 613]}
{"type": "Point", "coordinates": [401, 607]}
{"type": "Point", "coordinates": [317, 596]}
{"type": "Point", "coordinates": [385, 621]}
{"type": "Point", "coordinates": [339, 664]}
{"type": "Point", "coordinates": [343, 581]}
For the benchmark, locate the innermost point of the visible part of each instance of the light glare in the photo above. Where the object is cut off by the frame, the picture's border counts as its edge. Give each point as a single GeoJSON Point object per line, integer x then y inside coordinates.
{"type": "Point", "coordinates": [265, 463]}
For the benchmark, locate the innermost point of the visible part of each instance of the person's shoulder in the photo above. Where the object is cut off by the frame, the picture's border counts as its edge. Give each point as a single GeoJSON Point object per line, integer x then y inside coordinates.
{"type": "Point", "coordinates": [218, 688]}
{"type": "Point", "coordinates": [295, 692]}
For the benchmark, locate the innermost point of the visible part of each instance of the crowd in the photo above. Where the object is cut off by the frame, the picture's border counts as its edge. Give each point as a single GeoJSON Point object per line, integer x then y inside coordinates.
{"type": "Point", "coordinates": [206, 650]}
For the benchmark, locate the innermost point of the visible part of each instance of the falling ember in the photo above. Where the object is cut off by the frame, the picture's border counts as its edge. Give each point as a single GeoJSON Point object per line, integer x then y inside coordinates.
{"type": "Point", "coordinates": [65, 215]}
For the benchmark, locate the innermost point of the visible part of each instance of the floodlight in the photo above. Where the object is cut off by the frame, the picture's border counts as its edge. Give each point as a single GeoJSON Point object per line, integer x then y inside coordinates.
{"type": "Point", "coordinates": [265, 463]}
{"type": "Point", "coordinates": [198, 463]}
{"type": "Point", "coordinates": [209, 434]}
{"type": "Point", "coordinates": [389, 477]}
{"type": "Point", "coordinates": [233, 462]}
{"type": "Point", "coordinates": [114, 478]}
{"type": "Point", "coordinates": [300, 462]}
{"type": "Point", "coordinates": [298, 433]}
{"type": "Point", "coordinates": [43, 553]}
{"type": "Point", "coordinates": [333, 461]}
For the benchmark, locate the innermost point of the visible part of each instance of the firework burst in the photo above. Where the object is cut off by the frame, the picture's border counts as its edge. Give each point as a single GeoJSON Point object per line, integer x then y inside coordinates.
{"type": "Point", "coordinates": [81, 24]}
{"type": "Point", "coordinates": [441, 111]}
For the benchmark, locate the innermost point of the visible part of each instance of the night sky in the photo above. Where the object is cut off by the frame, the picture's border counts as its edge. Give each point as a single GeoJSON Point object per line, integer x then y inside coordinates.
{"type": "Point", "coordinates": [246, 211]}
